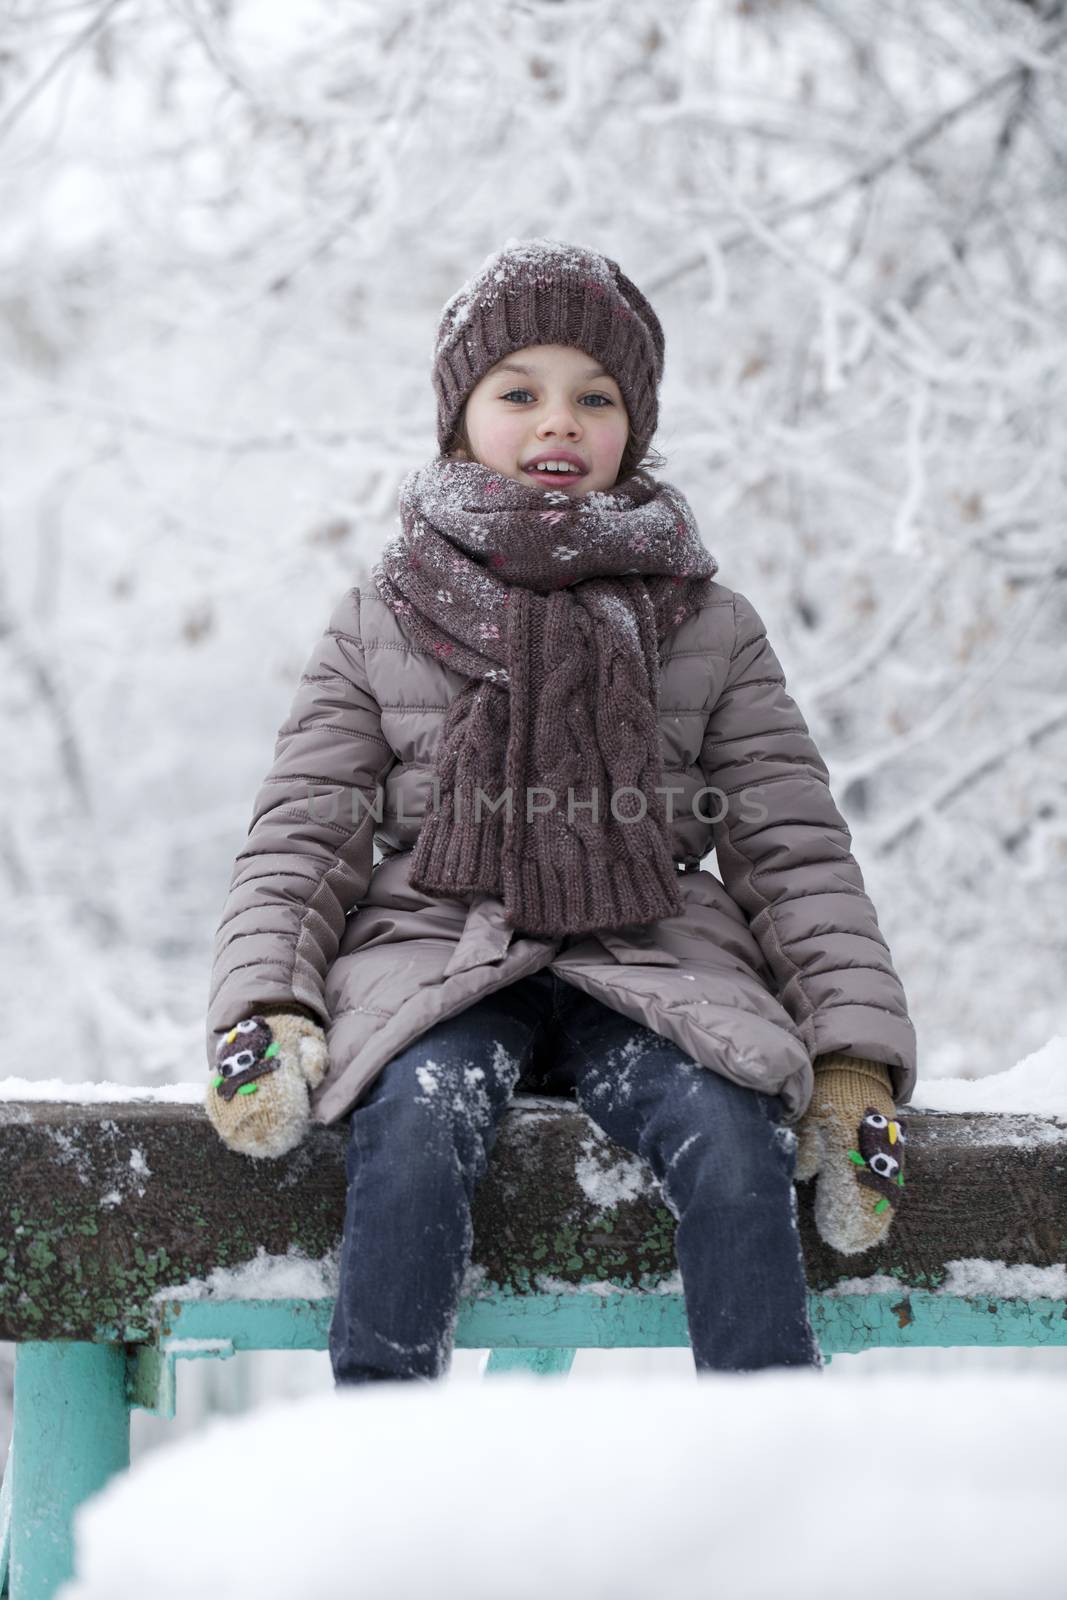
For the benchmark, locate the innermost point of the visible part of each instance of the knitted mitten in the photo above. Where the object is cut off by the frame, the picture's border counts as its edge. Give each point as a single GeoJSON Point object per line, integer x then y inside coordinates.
{"type": "Point", "coordinates": [258, 1094]}
{"type": "Point", "coordinates": [851, 1137]}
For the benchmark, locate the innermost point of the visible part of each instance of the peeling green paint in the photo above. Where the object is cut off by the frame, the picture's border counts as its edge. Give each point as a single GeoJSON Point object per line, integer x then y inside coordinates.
{"type": "Point", "coordinates": [71, 1264]}
{"type": "Point", "coordinates": [70, 1275]}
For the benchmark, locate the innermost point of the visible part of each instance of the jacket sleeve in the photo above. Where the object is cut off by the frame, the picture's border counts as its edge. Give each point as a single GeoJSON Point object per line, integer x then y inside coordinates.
{"type": "Point", "coordinates": [784, 853]}
{"type": "Point", "coordinates": [307, 859]}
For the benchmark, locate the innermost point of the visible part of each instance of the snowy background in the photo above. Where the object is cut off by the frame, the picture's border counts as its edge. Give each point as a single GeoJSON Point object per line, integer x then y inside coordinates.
{"type": "Point", "coordinates": [229, 227]}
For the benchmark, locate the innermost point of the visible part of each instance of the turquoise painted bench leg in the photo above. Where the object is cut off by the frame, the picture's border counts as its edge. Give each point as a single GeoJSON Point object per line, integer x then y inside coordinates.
{"type": "Point", "coordinates": [71, 1434]}
{"type": "Point", "coordinates": [545, 1362]}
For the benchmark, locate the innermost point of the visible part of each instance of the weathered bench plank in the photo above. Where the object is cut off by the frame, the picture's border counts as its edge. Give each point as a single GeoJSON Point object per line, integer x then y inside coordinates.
{"type": "Point", "coordinates": [101, 1206]}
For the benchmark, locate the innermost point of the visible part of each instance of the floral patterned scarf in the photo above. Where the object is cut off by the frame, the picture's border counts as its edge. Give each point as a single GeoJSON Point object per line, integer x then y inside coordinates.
{"type": "Point", "coordinates": [548, 764]}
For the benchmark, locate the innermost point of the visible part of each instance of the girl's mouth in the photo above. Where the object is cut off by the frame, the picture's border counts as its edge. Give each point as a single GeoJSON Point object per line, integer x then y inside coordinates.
{"type": "Point", "coordinates": [553, 477]}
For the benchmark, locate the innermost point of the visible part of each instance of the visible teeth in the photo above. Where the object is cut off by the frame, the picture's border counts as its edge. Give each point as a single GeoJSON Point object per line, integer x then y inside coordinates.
{"type": "Point", "coordinates": [555, 466]}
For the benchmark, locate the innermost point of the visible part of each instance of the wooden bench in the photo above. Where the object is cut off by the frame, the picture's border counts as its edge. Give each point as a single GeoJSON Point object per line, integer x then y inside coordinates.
{"type": "Point", "coordinates": [110, 1209]}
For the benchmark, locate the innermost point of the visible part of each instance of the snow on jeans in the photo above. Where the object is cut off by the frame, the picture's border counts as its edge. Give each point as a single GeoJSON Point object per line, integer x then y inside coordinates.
{"type": "Point", "coordinates": [421, 1137]}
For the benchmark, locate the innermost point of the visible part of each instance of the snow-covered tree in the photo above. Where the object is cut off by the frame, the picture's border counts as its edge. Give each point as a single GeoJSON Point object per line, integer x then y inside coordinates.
{"type": "Point", "coordinates": [229, 228]}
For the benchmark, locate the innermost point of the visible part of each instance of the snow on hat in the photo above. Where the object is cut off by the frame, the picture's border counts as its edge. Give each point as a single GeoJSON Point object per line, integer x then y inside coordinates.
{"type": "Point", "coordinates": [540, 291]}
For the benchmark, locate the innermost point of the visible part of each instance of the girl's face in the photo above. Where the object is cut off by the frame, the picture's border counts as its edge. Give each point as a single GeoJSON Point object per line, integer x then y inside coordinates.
{"type": "Point", "coordinates": [553, 402]}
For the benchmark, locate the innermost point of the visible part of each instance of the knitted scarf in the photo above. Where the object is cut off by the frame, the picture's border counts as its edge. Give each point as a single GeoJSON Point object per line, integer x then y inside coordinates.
{"type": "Point", "coordinates": [553, 607]}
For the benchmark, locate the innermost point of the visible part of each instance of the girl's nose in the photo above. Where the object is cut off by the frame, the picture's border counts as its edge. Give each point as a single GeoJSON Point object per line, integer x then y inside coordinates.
{"type": "Point", "coordinates": [560, 421]}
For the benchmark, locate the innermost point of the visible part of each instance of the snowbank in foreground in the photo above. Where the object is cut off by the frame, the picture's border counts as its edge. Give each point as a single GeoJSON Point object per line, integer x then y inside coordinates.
{"type": "Point", "coordinates": [747, 1486]}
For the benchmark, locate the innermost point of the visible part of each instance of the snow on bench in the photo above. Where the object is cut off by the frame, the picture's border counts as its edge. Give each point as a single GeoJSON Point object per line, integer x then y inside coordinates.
{"type": "Point", "coordinates": [122, 1210]}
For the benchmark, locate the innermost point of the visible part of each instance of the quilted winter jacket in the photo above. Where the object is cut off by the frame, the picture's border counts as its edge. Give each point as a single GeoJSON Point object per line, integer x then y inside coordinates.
{"type": "Point", "coordinates": [777, 961]}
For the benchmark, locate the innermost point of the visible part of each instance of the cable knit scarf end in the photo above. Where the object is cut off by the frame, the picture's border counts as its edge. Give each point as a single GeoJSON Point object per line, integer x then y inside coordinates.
{"type": "Point", "coordinates": [548, 764]}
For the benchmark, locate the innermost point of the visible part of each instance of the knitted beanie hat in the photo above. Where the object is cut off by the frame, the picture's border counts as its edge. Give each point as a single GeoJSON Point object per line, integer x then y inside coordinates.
{"type": "Point", "coordinates": [539, 291]}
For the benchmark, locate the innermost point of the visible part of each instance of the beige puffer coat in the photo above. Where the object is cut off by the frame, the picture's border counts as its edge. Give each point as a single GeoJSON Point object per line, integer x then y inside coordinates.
{"type": "Point", "coordinates": [779, 962]}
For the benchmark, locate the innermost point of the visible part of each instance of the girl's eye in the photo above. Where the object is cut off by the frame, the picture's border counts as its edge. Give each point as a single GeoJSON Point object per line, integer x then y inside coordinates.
{"type": "Point", "coordinates": [607, 401]}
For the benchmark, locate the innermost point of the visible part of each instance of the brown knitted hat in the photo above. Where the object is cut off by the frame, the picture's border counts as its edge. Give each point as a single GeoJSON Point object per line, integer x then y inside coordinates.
{"type": "Point", "coordinates": [539, 291]}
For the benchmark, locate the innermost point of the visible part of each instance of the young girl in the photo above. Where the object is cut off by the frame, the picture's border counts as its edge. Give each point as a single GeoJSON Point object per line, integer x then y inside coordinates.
{"type": "Point", "coordinates": [546, 712]}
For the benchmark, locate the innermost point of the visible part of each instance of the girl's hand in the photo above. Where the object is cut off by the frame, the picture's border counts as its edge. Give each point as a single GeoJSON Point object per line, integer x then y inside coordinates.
{"type": "Point", "coordinates": [851, 1137]}
{"type": "Point", "coordinates": [265, 1066]}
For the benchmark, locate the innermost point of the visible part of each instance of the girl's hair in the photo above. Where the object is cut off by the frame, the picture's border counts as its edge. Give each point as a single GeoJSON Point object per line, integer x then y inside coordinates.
{"type": "Point", "coordinates": [644, 465]}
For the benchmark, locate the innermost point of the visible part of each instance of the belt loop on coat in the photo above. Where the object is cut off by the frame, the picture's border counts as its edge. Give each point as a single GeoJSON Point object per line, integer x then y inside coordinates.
{"type": "Point", "coordinates": [485, 937]}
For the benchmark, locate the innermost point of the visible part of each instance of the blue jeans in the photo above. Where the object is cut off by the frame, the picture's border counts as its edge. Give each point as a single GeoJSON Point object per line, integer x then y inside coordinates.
{"type": "Point", "coordinates": [421, 1137]}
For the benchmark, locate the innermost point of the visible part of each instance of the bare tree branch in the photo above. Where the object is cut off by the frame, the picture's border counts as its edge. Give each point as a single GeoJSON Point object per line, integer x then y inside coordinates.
{"type": "Point", "coordinates": [71, 48]}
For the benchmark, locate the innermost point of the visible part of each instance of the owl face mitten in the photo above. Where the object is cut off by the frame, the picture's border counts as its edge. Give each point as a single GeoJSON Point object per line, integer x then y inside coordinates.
{"type": "Point", "coordinates": [851, 1138]}
{"type": "Point", "coordinates": [258, 1096]}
